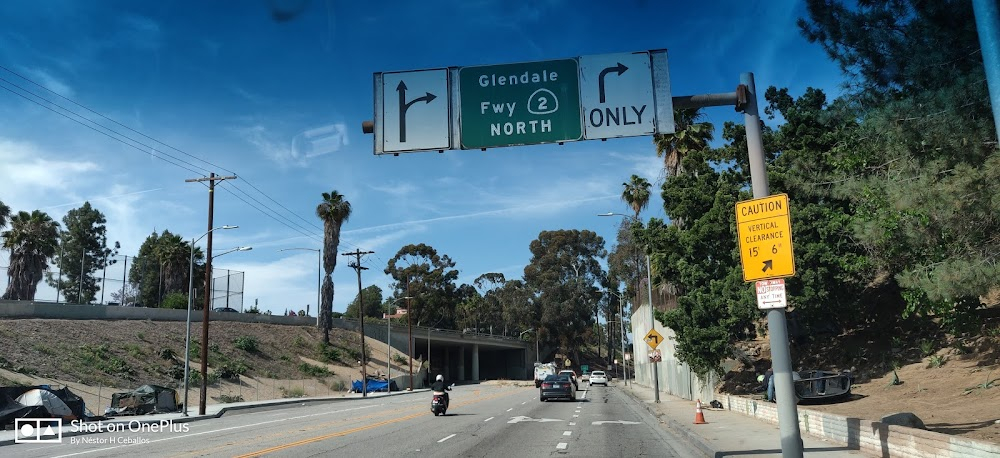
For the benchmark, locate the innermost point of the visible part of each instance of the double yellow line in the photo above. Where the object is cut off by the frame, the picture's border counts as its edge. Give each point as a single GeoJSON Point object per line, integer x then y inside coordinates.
{"type": "Point", "coordinates": [360, 428]}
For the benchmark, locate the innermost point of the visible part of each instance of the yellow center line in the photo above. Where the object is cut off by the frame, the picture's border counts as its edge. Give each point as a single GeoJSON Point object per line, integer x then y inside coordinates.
{"type": "Point", "coordinates": [360, 428]}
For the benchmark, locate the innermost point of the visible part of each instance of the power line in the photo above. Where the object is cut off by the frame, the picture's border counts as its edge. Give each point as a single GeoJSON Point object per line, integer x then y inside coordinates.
{"type": "Point", "coordinates": [161, 153]}
{"type": "Point", "coordinates": [107, 118]}
{"type": "Point", "coordinates": [102, 132]}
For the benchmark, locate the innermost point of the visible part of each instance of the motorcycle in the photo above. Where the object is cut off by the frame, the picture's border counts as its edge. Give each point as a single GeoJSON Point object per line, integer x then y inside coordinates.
{"type": "Point", "coordinates": [439, 403]}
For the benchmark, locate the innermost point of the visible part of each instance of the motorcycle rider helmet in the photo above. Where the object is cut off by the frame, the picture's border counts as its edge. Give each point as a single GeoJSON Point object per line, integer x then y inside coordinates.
{"type": "Point", "coordinates": [439, 378]}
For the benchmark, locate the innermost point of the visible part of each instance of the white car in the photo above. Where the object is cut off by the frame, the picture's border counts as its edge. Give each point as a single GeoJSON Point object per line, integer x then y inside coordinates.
{"type": "Point", "coordinates": [598, 378]}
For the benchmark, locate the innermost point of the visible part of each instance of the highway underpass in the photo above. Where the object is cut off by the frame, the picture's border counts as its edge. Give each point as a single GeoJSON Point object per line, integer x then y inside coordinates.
{"type": "Point", "coordinates": [460, 357]}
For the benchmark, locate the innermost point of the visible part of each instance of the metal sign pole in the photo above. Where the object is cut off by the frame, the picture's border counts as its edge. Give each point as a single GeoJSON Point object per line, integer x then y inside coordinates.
{"type": "Point", "coordinates": [781, 361]}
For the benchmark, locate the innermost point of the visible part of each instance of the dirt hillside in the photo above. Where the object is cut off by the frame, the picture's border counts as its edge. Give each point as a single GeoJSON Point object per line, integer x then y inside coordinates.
{"type": "Point", "coordinates": [952, 385]}
{"type": "Point", "coordinates": [247, 361]}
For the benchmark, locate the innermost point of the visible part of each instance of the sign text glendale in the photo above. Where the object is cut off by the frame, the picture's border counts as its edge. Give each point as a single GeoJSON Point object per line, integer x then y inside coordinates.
{"type": "Point", "coordinates": [519, 104]}
{"type": "Point", "coordinates": [765, 238]}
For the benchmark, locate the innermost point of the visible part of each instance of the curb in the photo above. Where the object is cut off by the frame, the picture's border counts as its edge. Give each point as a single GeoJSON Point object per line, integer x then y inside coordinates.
{"type": "Point", "coordinates": [220, 413]}
{"type": "Point", "coordinates": [689, 435]}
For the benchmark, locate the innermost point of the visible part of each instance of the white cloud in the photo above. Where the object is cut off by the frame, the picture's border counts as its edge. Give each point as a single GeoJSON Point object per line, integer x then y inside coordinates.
{"type": "Point", "coordinates": [400, 189]}
{"type": "Point", "coordinates": [29, 172]}
{"type": "Point", "coordinates": [49, 81]}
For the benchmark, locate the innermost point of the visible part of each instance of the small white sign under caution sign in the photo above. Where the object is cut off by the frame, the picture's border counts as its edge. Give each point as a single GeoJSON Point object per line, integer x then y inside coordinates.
{"type": "Point", "coordinates": [771, 294]}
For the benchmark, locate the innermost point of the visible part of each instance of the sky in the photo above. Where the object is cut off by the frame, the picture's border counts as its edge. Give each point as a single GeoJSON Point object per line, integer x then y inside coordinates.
{"type": "Point", "coordinates": [130, 99]}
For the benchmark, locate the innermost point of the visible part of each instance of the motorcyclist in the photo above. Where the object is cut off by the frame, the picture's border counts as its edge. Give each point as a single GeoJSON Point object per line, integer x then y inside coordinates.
{"type": "Point", "coordinates": [439, 387]}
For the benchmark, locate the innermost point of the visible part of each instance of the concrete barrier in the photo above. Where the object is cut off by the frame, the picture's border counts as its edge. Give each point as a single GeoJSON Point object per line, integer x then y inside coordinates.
{"type": "Point", "coordinates": [869, 436]}
{"type": "Point", "coordinates": [44, 310]}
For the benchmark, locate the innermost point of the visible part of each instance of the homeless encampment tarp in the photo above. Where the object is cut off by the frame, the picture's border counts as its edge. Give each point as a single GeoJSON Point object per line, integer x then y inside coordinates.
{"type": "Point", "coordinates": [373, 385]}
{"type": "Point", "coordinates": [144, 400]}
{"type": "Point", "coordinates": [39, 402]}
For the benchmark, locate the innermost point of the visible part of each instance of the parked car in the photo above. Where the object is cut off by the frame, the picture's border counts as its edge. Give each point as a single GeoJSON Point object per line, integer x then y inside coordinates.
{"type": "Point", "coordinates": [557, 387]}
{"type": "Point", "coordinates": [572, 376]}
{"type": "Point", "coordinates": [598, 378]}
{"type": "Point", "coordinates": [226, 310]}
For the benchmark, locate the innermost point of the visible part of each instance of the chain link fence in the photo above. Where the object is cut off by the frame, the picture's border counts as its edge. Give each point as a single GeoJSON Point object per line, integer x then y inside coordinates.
{"type": "Point", "coordinates": [113, 286]}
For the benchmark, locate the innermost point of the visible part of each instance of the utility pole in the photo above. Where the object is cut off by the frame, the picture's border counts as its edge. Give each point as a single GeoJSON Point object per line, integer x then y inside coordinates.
{"type": "Point", "coordinates": [211, 179]}
{"type": "Point", "coordinates": [356, 265]}
{"type": "Point", "coordinates": [409, 332]}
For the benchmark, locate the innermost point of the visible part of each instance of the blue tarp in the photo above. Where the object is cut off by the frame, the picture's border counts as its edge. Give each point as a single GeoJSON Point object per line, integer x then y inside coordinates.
{"type": "Point", "coordinates": [373, 386]}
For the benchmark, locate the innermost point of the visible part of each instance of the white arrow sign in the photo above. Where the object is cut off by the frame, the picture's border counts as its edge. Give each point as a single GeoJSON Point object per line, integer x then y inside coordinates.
{"type": "Point", "coordinates": [540, 420]}
{"type": "Point", "coordinates": [617, 422]}
{"type": "Point", "coordinates": [616, 91]}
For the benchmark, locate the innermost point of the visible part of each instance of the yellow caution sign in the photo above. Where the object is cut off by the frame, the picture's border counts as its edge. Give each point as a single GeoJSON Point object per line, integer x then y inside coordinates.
{"type": "Point", "coordinates": [653, 339]}
{"type": "Point", "coordinates": [765, 236]}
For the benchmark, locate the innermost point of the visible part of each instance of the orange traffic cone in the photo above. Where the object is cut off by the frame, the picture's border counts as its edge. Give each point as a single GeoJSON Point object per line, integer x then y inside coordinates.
{"type": "Point", "coordinates": [699, 417]}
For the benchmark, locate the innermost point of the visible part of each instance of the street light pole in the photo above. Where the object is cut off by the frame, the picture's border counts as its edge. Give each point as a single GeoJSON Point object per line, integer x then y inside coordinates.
{"type": "Point", "coordinates": [652, 316]}
{"type": "Point", "coordinates": [652, 324]}
{"type": "Point", "coordinates": [319, 254]}
{"type": "Point", "coordinates": [187, 337]}
{"type": "Point", "coordinates": [621, 327]}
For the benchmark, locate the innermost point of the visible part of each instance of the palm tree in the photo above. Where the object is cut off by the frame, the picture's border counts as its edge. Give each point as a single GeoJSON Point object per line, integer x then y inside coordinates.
{"type": "Point", "coordinates": [173, 254]}
{"type": "Point", "coordinates": [32, 241]}
{"type": "Point", "coordinates": [4, 214]}
{"type": "Point", "coordinates": [636, 194]}
{"type": "Point", "coordinates": [334, 210]}
{"type": "Point", "coordinates": [690, 135]}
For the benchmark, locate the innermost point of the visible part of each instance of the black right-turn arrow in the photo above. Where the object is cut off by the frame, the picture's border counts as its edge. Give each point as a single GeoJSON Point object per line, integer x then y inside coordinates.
{"type": "Point", "coordinates": [404, 105]}
{"type": "Point", "coordinates": [620, 68]}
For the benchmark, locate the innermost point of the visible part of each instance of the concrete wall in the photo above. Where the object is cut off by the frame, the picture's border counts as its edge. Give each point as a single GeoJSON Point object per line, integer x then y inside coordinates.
{"type": "Point", "coordinates": [870, 437]}
{"type": "Point", "coordinates": [676, 378]}
{"type": "Point", "coordinates": [20, 309]}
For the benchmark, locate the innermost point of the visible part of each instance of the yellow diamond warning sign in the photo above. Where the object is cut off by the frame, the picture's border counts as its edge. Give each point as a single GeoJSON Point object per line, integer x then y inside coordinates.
{"type": "Point", "coordinates": [653, 339]}
{"type": "Point", "coordinates": [765, 235]}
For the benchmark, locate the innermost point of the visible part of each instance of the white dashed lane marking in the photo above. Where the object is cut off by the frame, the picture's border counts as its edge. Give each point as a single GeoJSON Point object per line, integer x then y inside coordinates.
{"type": "Point", "coordinates": [446, 438]}
{"type": "Point", "coordinates": [488, 419]}
{"type": "Point", "coordinates": [561, 446]}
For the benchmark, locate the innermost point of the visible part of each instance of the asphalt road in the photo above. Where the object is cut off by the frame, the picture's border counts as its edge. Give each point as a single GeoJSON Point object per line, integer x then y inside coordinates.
{"type": "Point", "coordinates": [483, 421]}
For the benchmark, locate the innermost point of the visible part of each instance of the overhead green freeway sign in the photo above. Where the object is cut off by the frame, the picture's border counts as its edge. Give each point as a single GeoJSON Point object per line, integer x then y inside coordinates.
{"type": "Point", "coordinates": [520, 104]}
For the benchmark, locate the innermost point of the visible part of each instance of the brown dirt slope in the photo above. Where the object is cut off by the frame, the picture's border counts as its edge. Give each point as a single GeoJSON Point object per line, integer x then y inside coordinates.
{"type": "Point", "coordinates": [952, 385]}
{"type": "Point", "coordinates": [96, 358]}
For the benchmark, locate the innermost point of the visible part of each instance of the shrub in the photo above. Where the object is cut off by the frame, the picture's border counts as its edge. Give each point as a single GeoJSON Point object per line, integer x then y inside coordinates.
{"type": "Point", "coordinates": [293, 392]}
{"type": "Point", "coordinates": [167, 353]}
{"type": "Point", "coordinates": [194, 351]}
{"type": "Point", "coordinates": [134, 350]}
{"type": "Point", "coordinates": [354, 353]}
{"type": "Point", "coordinates": [936, 361]}
{"type": "Point", "coordinates": [227, 398]}
{"type": "Point", "coordinates": [176, 372]}
{"type": "Point", "coordinates": [232, 369]}
{"type": "Point", "coordinates": [246, 343]}
{"type": "Point", "coordinates": [338, 385]}
{"type": "Point", "coordinates": [314, 371]}
{"type": "Point", "coordinates": [926, 347]}
{"type": "Point", "coordinates": [214, 348]}
{"type": "Point", "coordinates": [400, 359]}
{"type": "Point", "coordinates": [329, 353]}
{"type": "Point", "coordinates": [175, 301]}
{"type": "Point", "coordinates": [299, 342]}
